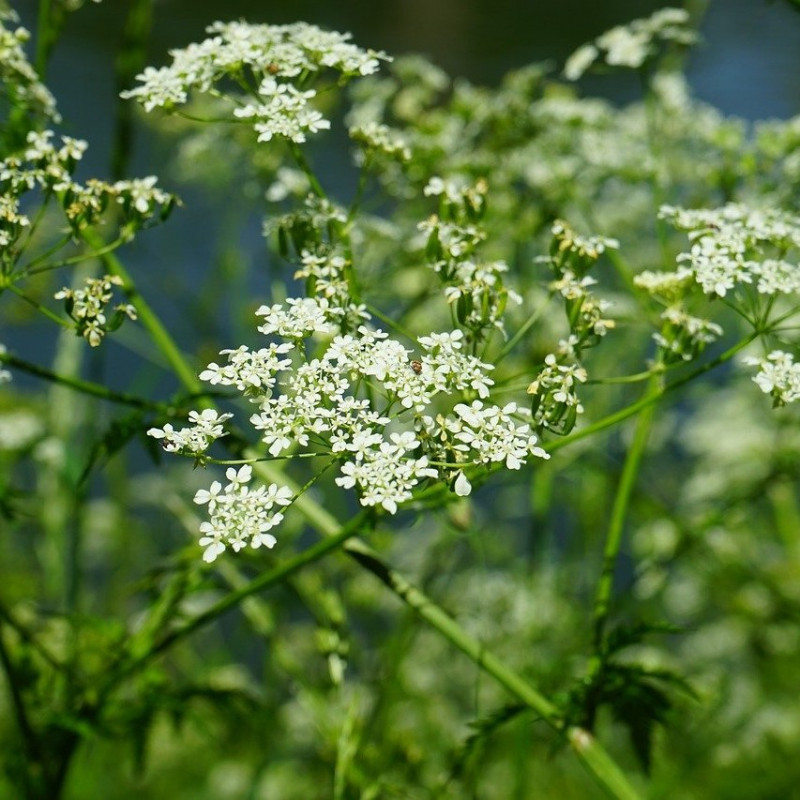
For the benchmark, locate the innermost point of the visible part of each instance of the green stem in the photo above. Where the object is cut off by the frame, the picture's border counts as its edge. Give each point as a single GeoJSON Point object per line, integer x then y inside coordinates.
{"type": "Point", "coordinates": [30, 744]}
{"type": "Point", "coordinates": [38, 306]}
{"type": "Point", "coordinates": [619, 513]}
{"type": "Point", "coordinates": [363, 177]}
{"type": "Point", "coordinates": [586, 747]}
{"type": "Point", "coordinates": [31, 269]}
{"type": "Point", "coordinates": [45, 37]}
{"type": "Point", "coordinates": [452, 631]}
{"type": "Point", "coordinates": [86, 387]}
{"type": "Point", "coordinates": [300, 159]}
{"type": "Point", "coordinates": [259, 584]}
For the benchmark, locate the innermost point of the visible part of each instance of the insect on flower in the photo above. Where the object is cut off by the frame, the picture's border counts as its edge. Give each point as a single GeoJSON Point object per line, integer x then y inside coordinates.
{"type": "Point", "coordinates": [416, 366]}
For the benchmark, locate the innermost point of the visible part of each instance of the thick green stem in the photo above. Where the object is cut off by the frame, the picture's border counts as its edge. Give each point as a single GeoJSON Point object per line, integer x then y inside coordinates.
{"type": "Point", "coordinates": [45, 37]}
{"type": "Point", "coordinates": [619, 513]}
{"type": "Point", "coordinates": [302, 162]}
{"type": "Point", "coordinates": [587, 748]}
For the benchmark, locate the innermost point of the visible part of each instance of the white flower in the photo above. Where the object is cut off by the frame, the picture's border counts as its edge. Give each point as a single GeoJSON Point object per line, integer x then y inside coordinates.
{"type": "Point", "coordinates": [195, 439]}
{"type": "Point", "coordinates": [384, 476]}
{"type": "Point", "coordinates": [238, 515]}
{"type": "Point", "coordinates": [580, 61]}
{"type": "Point", "coordinates": [734, 244]}
{"type": "Point", "coordinates": [625, 47]}
{"type": "Point", "coordinates": [304, 316]}
{"type": "Point", "coordinates": [272, 54]}
{"type": "Point", "coordinates": [490, 434]}
{"type": "Point", "coordinates": [248, 369]}
{"type": "Point", "coordinates": [342, 403]}
{"type": "Point", "coordinates": [284, 111]}
{"type": "Point", "coordinates": [631, 45]}
{"type": "Point", "coordinates": [380, 138]}
{"type": "Point", "coordinates": [778, 376]}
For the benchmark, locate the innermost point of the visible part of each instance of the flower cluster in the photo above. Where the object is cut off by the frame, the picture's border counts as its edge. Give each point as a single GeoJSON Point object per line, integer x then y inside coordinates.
{"type": "Point", "coordinates": [18, 76]}
{"type": "Point", "coordinates": [283, 111]}
{"type": "Point", "coordinates": [682, 336]}
{"type": "Point", "coordinates": [365, 402]}
{"type": "Point", "coordinates": [474, 288]}
{"type": "Point", "coordinates": [195, 440]}
{"type": "Point", "coordinates": [459, 198]}
{"type": "Point", "coordinates": [555, 403]}
{"type": "Point", "coordinates": [778, 376]}
{"type": "Point", "coordinates": [736, 245]}
{"type": "Point", "coordinates": [634, 44]}
{"type": "Point", "coordinates": [377, 139]}
{"type": "Point", "coordinates": [571, 252]}
{"type": "Point", "coordinates": [308, 227]}
{"type": "Point", "coordinates": [325, 272]}
{"type": "Point", "coordinates": [571, 257]}
{"type": "Point", "coordinates": [87, 307]}
{"type": "Point", "coordinates": [669, 287]}
{"type": "Point", "coordinates": [274, 62]}
{"type": "Point", "coordinates": [449, 242]}
{"type": "Point", "coordinates": [386, 472]}
{"type": "Point", "coordinates": [490, 434]}
{"type": "Point", "coordinates": [47, 166]}
{"type": "Point", "coordinates": [584, 310]}
{"type": "Point", "coordinates": [240, 516]}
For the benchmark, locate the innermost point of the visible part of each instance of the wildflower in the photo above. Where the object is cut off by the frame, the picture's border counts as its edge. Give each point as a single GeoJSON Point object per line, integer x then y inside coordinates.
{"type": "Point", "coordinates": [248, 369]}
{"type": "Point", "coordinates": [555, 405]}
{"type": "Point", "coordinates": [380, 139]}
{"type": "Point", "coordinates": [195, 439]}
{"type": "Point", "coordinates": [268, 56]}
{"type": "Point", "coordinates": [735, 245]}
{"type": "Point", "coordinates": [633, 44]}
{"type": "Point", "coordinates": [284, 112]}
{"type": "Point", "coordinates": [669, 286]}
{"type": "Point", "coordinates": [238, 515]}
{"type": "Point", "coordinates": [19, 73]}
{"type": "Point", "coordinates": [570, 251]}
{"type": "Point", "coordinates": [778, 376]}
{"type": "Point", "coordinates": [490, 434]}
{"type": "Point", "coordinates": [684, 337]}
{"type": "Point", "coordinates": [303, 317]}
{"type": "Point", "coordinates": [299, 400]}
{"type": "Point", "coordinates": [87, 308]}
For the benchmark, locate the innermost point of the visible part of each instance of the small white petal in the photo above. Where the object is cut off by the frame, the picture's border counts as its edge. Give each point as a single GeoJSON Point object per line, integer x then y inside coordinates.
{"type": "Point", "coordinates": [462, 485]}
